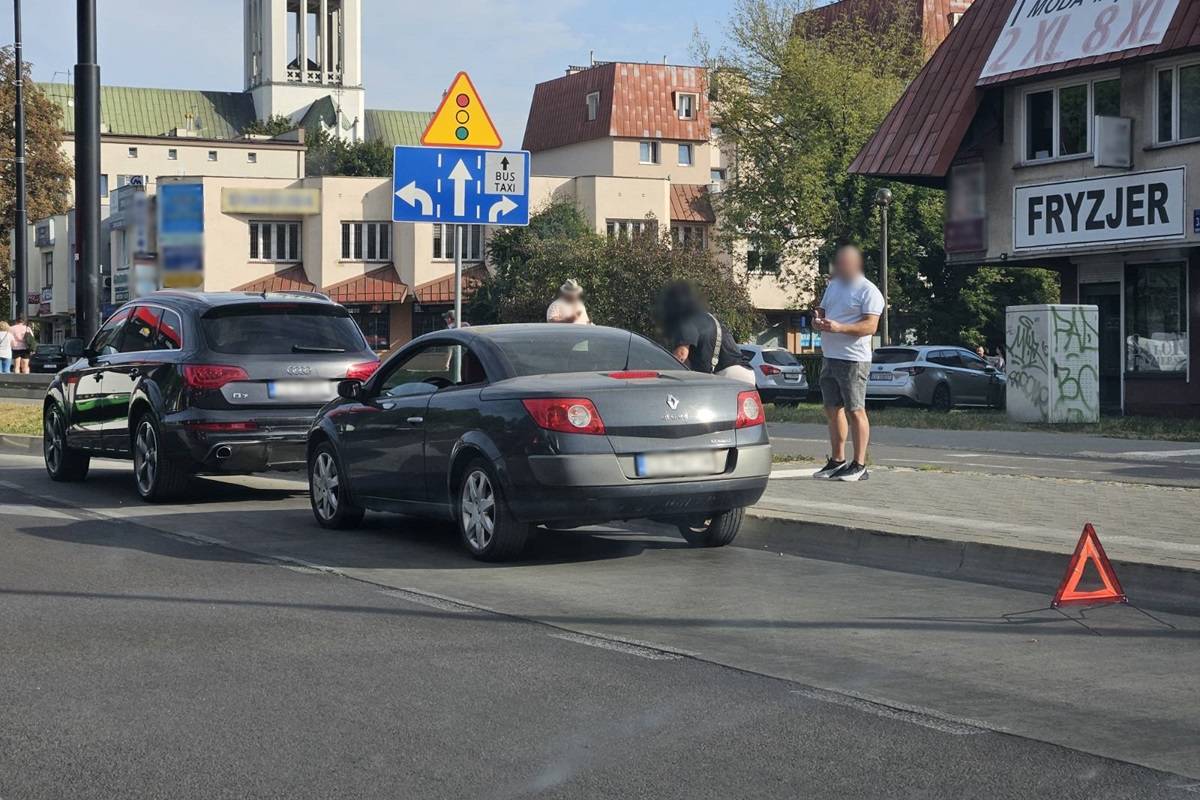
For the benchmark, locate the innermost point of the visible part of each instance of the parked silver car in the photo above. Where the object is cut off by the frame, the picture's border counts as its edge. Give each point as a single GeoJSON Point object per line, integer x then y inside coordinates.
{"type": "Point", "coordinates": [938, 376]}
{"type": "Point", "coordinates": [777, 374]}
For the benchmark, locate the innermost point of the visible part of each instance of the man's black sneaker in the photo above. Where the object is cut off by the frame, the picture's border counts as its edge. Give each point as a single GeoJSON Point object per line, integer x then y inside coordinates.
{"type": "Point", "coordinates": [853, 471]}
{"type": "Point", "coordinates": [830, 469]}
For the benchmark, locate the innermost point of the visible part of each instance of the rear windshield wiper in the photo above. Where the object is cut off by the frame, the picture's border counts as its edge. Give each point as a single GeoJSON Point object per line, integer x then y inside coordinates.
{"type": "Point", "coordinates": [304, 348]}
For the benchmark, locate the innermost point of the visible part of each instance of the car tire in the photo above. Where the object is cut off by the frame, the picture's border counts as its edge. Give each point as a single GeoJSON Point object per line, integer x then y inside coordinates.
{"type": "Point", "coordinates": [717, 530]}
{"type": "Point", "coordinates": [329, 491]}
{"type": "Point", "coordinates": [157, 479]}
{"type": "Point", "coordinates": [62, 463]}
{"type": "Point", "coordinates": [487, 527]}
{"type": "Point", "coordinates": [942, 401]}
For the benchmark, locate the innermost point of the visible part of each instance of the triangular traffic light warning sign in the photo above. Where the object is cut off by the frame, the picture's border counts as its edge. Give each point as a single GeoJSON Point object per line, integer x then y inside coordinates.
{"type": "Point", "coordinates": [461, 120]}
{"type": "Point", "coordinates": [1087, 550]}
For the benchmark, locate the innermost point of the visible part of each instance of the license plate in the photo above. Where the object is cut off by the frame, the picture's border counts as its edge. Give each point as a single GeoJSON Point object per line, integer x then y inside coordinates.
{"type": "Point", "coordinates": [793, 377]}
{"type": "Point", "coordinates": [301, 391]}
{"type": "Point", "coordinates": [881, 376]}
{"type": "Point", "coordinates": [663, 465]}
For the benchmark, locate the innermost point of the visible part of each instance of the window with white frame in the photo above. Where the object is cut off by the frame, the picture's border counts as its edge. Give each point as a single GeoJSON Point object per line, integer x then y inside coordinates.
{"type": "Point", "coordinates": [274, 241]}
{"type": "Point", "coordinates": [648, 152]}
{"type": "Point", "coordinates": [1177, 100]}
{"type": "Point", "coordinates": [685, 105]}
{"type": "Point", "coordinates": [133, 152]}
{"type": "Point", "coordinates": [48, 269]}
{"type": "Point", "coordinates": [593, 105]}
{"type": "Point", "coordinates": [685, 155]}
{"type": "Point", "coordinates": [1058, 120]}
{"type": "Point", "coordinates": [630, 228]}
{"type": "Point", "coordinates": [444, 240]}
{"type": "Point", "coordinates": [172, 154]}
{"type": "Point", "coordinates": [366, 241]}
{"type": "Point", "coordinates": [690, 236]}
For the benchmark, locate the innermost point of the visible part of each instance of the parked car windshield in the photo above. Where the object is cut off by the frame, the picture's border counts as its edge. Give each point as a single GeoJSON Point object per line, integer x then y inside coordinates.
{"type": "Point", "coordinates": [279, 328]}
{"type": "Point", "coordinates": [893, 355]}
{"type": "Point", "coordinates": [780, 358]}
{"type": "Point", "coordinates": [579, 348]}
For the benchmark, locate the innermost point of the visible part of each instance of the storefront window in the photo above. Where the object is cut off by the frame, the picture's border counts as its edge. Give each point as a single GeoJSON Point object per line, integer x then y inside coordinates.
{"type": "Point", "coordinates": [1156, 310]}
{"type": "Point", "coordinates": [375, 323]}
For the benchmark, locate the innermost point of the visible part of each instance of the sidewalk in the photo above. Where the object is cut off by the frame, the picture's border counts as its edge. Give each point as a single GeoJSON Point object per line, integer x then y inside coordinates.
{"type": "Point", "coordinates": [1137, 523]}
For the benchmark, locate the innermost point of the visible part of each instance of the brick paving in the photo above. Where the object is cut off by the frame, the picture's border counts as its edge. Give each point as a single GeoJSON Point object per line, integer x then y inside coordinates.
{"type": "Point", "coordinates": [1138, 523]}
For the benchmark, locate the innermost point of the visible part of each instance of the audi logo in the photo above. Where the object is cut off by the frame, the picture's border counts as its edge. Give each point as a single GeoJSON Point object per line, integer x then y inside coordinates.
{"type": "Point", "coordinates": [298, 369]}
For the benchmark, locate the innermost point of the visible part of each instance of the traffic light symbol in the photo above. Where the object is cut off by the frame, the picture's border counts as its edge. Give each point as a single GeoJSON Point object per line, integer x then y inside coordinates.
{"type": "Point", "coordinates": [461, 120]}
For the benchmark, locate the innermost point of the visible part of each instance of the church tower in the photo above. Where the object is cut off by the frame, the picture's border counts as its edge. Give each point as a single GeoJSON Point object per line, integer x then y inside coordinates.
{"type": "Point", "coordinates": [300, 52]}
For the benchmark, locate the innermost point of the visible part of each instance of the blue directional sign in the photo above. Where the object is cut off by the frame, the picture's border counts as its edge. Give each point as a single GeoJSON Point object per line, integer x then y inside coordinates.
{"type": "Point", "coordinates": [460, 185]}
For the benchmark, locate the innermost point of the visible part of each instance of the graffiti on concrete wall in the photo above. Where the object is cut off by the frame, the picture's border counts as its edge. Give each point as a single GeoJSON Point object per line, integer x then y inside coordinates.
{"type": "Point", "coordinates": [1077, 348]}
{"type": "Point", "coordinates": [1028, 356]}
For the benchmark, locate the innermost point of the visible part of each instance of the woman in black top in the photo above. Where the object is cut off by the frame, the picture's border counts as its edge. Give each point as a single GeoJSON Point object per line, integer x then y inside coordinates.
{"type": "Point", "coordinates": [697, 338]}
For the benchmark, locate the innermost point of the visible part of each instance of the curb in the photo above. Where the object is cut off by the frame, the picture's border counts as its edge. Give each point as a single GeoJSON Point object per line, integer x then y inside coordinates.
{"type": "Point", "coordinates": [20, 443]}
{"type": "Point", "coordinates": [1039, 571]}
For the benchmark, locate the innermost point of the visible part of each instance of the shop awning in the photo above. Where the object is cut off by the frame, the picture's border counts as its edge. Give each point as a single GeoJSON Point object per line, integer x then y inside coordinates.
{"type": "Point", "coordinates": [381, 285]}
{"type": "Point", "coordinates": [292, 279]}
{"type": "Point", "coordinates": [441, 290]}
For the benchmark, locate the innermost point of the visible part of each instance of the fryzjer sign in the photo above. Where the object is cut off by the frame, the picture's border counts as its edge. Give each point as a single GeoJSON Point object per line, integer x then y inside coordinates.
{"type": "Point", "coordinates": [1041, 32]}
{"type": "Point", "coordinates": [1122, 208]}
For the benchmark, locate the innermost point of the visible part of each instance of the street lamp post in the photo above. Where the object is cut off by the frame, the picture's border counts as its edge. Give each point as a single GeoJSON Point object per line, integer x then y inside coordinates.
{"type": "Point", "coordinates": [21, 232]}
{"type": "Point", "coordinates": [883, 199]}
{"type": "Point", "coordinates": [87, 173]}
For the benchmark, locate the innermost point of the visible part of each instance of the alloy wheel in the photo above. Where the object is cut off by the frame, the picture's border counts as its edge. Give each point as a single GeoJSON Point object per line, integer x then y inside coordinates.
{"type": "Point", "coordinates": [52, 442]}
{"type": "Point", "coordinates": [325, 485]}
{"type": "Point", "coordinates": [478, 509]}
{"type": "Point", "coordinates": [145, 457]}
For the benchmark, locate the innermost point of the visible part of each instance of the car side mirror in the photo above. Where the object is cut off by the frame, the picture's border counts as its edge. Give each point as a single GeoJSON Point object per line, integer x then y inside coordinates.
{"type": "Point", "coordinates": [73, 348]}
{"type": "Point", "coordinates": [350, 389]}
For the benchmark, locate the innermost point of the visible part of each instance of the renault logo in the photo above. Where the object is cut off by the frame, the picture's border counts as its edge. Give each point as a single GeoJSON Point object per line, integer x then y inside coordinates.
{"type": "Point", "coordinates": [672, 402]}
{"type": "Point", "coordinates": [298, 369]}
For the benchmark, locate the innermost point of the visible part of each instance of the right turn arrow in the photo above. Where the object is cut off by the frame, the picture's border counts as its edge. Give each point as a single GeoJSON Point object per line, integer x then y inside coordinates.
{"type": "Point", "coordinates": [501, 206]}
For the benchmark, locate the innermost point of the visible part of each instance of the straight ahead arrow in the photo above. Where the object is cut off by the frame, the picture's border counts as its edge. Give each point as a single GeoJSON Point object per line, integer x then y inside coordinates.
{"type": "Point", "coordinates": [460, 175]}
{"type": "Point", "coordinates": [500, 207]}
{"type": "Point", "coordinates": [412, 195]}
{"type": "Point", "coordinates": [504, 163]}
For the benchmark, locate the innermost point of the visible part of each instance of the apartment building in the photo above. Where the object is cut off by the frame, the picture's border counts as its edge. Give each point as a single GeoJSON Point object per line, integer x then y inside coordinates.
{"type": "Point", "coordinates": [930, 20]}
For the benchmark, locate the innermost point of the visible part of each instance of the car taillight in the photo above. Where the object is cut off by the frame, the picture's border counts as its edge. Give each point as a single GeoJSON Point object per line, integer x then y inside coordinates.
{"type": "Point", "coordinates": [767, 369]}
{"type": "Point", "coordinates": [633, 374]}
{"type": "Point", "coordinates": [910, 370]}
{"type": "Point", "coordinates": [749, 410]}
{"type": "Point", "coordinates": [211, 376]}
{"type": "Point", "coordinates": [215, 427]}
{"type": "Point", "coordinates": [565, 415]}
{"type": "Point", "coordinates": [360, 372]}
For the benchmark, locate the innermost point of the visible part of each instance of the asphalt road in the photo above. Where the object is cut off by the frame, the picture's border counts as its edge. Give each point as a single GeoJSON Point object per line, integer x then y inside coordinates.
{"type": "Point", "coordinates": [1049, 455]}
{"type": "Point", "coordinates": [229, 648]}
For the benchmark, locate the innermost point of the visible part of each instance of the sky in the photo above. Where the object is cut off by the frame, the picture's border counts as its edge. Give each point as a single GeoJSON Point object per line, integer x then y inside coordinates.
{"type": "Point", "coordinates": [411, 49]}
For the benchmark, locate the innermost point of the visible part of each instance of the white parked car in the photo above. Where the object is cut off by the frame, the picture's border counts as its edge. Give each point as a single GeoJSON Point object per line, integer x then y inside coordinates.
{"type": "Point", "coordinates": [939, 376]}
{"type": "Point", "coordinates": [777, 374]}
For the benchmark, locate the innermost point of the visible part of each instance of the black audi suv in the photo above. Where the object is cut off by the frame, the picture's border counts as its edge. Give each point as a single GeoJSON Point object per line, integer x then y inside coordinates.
{"type": "Point", "coordinates": [186, 383]}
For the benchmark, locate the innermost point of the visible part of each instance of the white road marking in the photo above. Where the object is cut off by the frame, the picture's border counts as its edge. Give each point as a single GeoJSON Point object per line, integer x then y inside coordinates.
{"type": "Point", "coordinates": [901, 713]}
{"type": "Point", "coordinates": [34, 512]}
{"type": "Point", "coordinates": [627, 646]}
{"type": "Point", "coordinates": [1139, 455]}
{"type": "Point", "coordinates": [433, 600]}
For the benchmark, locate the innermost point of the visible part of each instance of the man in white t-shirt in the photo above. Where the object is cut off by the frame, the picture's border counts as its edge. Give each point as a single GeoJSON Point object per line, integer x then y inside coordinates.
{"type": "Point", "coordinates": [568, 306]}
{"type": "Point", "coordinates": [847, 318]}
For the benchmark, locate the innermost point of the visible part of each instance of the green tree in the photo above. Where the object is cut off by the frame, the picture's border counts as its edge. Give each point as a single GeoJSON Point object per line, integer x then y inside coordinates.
{"type": "Point", "coordinates": [274, 125]}
{"type": "Point", "coordinates": [47, 170]}
{"type": "Point", "coordinates": [622, 278]}
{"type": "Point", "coordinates": [329, 155]}
{"type": "Point", "coordinates": [797, 96]}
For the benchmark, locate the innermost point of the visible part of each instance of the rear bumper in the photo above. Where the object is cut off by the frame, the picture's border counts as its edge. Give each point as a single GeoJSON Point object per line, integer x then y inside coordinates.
{"type": "Point", "coordinates": [278, 443]}
{"type": "Point", "coordinates": [894, 392]}
{"type": "Point", "coordinates": [782, 391]}
{"type": "Point", "coordinates": [594, 488]}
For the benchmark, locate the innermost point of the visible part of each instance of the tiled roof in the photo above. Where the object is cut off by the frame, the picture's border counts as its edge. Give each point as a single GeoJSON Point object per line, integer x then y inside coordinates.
{"type": "Point", "coordinates": [292, 279]}
{"type": "Point", "coordinates": [158, 112]}
{"type": "Point", "coordinates": [441, 290]}
{"type": "Point", "coordinates": [636, 101]}
{"type": "Point", "coordinates": [395, 127]}
{"type": "Point", "coordinates": [930, 18]}
{"type": "Point", "coordinates": [920, 136]}
{"type": "Point", "coordinates": [691, 203]}
{"type": "Point", "coordinates": [381, 285]}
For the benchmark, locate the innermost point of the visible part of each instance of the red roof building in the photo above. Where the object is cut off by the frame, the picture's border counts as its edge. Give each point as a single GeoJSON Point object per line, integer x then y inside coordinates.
{"type": "Point", "coordinates": [1069, 140]}
{"type": "Point", "coordinates": [930, 19]}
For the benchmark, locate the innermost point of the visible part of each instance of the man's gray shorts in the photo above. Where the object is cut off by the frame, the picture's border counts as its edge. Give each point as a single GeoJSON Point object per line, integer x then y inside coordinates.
{"type": "Point", "coordinates": [844, 383]}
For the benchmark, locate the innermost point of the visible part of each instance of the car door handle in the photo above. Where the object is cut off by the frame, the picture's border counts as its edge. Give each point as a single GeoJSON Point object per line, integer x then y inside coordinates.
{"type": "Point", "coordinates": [415, 420]}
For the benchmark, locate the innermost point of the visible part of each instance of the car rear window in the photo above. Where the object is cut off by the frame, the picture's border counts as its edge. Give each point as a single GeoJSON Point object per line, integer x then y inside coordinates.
{"type": "Point", "coordinates": [579, 348]}
{"type": "Point", "coordinates": [780, 358]}
{"type": "Point", "coordinates": [278, 328]}
{"type": "Point", "coordinates": [893, 355]}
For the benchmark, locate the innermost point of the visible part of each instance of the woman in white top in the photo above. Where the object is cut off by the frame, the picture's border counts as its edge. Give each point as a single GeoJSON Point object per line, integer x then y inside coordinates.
{"type": "Point", "coordinates": [6, 343]}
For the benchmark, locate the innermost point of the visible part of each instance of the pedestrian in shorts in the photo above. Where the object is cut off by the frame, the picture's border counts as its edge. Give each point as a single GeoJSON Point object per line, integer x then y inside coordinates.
{"type": "Point", "coordinates": [847, 318]}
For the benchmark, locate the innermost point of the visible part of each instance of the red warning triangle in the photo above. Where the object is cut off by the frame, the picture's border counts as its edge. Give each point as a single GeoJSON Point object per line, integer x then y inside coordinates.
{"type": "Point", "coordinates": [1089, 549]}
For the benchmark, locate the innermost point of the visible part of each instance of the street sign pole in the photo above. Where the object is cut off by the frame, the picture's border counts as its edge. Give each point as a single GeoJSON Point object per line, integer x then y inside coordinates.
{"type": "Point", "coordinates": [21, 232]}
{"type": "Point", "coordinates": [87, 173]}
{"type": "Point", "coordinates": [458, 248]}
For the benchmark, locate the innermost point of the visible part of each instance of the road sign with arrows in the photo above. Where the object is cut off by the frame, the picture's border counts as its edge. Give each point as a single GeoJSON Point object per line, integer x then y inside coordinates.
{"type": "Point", "coordinates": [460, 185]}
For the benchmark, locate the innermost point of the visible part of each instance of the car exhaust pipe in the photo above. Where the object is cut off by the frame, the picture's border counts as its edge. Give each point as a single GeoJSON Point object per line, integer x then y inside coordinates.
{"type": "Point", "coordinates": [224, 452]}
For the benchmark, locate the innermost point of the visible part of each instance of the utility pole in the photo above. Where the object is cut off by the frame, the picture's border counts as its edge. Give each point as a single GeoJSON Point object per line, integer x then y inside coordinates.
{"type": "Point", "coordinates": [87, 173]}
{"type": "Point", "coordinates": [883, 199]}
{"type": "Point", "coordinates": [21, 236]}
